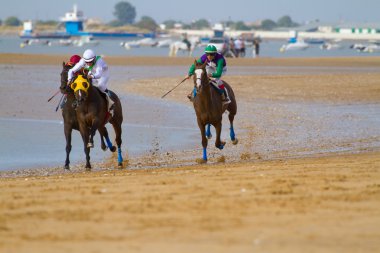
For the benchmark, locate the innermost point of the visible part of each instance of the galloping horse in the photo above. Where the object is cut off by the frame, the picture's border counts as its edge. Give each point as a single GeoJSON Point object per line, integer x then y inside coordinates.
{"type": "Point", "coordinates": [71, 120]}
{"type": "Point", "coordinates": [182, 46]}
{"type": "Point", "coordinates": [209, 108]}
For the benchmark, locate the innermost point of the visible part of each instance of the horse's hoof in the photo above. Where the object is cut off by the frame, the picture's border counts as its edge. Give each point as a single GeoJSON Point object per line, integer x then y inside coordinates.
{"type": "Point", "coordinates": [201, 160]}
{"type": "Point", "coordinates": [209, 136]}
{"type": "Point", "coordinates": [120, 164]}
{"type": "Point", "coordinates": [67, 167]}
{"type": "Point", "coordinates": [113, 149]}
{"type": "Point", "coordinates": [221, 146]}
{"type": "Point", "coordinates": [90, 145]}
{"type": "Point", "coordinates": [104, 148]}
{"type": "Point", "coordinates": [235, 141]}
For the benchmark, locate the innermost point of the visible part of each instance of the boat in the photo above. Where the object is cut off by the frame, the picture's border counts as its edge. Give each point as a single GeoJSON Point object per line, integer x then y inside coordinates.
{"type": "Point", "coordinates": [298, 45]}
{"type": "Point", "coordinates": [331, 46]}
{"type": "Point", "coordinates": [86, 41]}
{"type": "Point", "coordinates": [146, 42]}
{"type": "Point", "coordinates": [73, 23]}
{"type": "Point", "coordinates": [28, 33]}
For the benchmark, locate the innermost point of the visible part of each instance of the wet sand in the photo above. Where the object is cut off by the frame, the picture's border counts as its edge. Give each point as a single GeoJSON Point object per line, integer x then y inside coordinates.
{"type": "Point", "coordinates": [324, 203]}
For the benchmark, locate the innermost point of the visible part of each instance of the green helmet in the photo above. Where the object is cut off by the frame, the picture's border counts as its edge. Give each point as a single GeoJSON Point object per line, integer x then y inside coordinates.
{"type": "Point", "coordinates": [210, 49]}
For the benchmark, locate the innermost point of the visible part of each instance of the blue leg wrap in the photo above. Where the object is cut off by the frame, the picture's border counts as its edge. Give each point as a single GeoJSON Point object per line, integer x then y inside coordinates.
{"type": "Point", "coordinates": [205, 154]}
{"type": "Point", "coordinates": [232, 133]}
{"type": "Point", "coordinates": [195, 91]}
{"type": "Point", "coordinates": [119, 157]}
{"type": "Point", "coordinates": [208, 130]}
{"type": "Point", "coordinates": [109, 143]}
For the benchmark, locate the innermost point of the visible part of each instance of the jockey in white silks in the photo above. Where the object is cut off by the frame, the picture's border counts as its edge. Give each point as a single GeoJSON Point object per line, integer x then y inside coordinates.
{"type": "Point", "coordinates": [97, 71]}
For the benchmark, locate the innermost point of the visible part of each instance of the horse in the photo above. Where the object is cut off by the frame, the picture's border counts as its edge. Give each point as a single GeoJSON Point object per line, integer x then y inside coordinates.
{"type": "Point", "coordinates": [71, 122]}
{"type": "Point", "coordinates": [176, 46]}
{"type": "Point", "coordinates": [209, 108]}
{"type": "Point", "coordinates": [69, 115]}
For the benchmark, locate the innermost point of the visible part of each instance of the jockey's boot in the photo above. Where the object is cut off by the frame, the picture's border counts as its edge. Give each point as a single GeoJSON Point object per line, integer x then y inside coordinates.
{"type": "Point", "coordinates": [110, 103]}
{"type": "Point", "coordinates": [63, 103]}
{"type": "Point", "coordinates": [192, 95]}
{"type": "Point", "coordinates": [225, 98]}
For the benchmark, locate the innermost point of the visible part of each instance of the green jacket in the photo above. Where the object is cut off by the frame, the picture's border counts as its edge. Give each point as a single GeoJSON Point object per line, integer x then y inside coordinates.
{"type": "Point", "coordinates": [218, 60]}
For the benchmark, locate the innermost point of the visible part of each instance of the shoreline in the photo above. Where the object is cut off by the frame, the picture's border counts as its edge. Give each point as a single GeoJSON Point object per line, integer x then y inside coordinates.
{"type": "Point", "coordinates": [41, 59]}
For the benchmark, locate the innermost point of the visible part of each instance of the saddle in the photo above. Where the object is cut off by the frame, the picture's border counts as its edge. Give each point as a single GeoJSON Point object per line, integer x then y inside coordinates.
{"type": "Point", "coordinates": [216, 87]}
{"type": "Point", "coordinates": [108, 99]}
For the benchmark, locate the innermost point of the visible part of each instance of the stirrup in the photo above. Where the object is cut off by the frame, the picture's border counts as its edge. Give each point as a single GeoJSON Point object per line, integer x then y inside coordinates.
{"type": "Point", "coordinates": [226, 101]}
{"type": "Point", "coordinates": [190, 97]}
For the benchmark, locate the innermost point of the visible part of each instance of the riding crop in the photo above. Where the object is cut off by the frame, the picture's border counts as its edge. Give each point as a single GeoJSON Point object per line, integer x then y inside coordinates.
{"type": "Point", "coordinates": [174, 87]}
{"type": "Point", "coordinates": [55, 94]}
{"type": "Point", "coordinates": [59, 103]}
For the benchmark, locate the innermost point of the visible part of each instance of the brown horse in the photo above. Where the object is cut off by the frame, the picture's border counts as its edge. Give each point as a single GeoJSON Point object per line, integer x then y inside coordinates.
{"type": "Point", "coordinates": [71, 120]}
{"type": "Point", "coordinates": [209, 108]}
{"type": "Point", "coordinates": [70, 117]}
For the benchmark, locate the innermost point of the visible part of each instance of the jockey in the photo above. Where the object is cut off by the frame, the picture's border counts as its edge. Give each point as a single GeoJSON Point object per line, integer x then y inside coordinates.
{"type": "Point", "coordinates": [97, 71]}
{"type": "Point", "coordinates": [216, 67]}
{"type": "Point", "coordinates": [186, 41]}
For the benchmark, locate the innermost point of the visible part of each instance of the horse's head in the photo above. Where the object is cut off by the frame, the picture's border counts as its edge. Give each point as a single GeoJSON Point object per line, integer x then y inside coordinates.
{"type": "Point", "coordinates": [200, 76]}
{"type": "Point", "coordinates": [80, 86]}
{"type": "Point", "coordinates": [65, 70]}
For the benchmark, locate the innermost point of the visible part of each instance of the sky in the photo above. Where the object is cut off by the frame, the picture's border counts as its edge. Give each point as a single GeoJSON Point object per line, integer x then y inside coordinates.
{"type": "Point", "coordinates": [213, 10]}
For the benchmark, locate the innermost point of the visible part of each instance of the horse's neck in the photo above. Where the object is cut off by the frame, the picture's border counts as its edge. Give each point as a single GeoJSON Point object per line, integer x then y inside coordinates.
{"type": "Point", "coordinates": [205, 96]}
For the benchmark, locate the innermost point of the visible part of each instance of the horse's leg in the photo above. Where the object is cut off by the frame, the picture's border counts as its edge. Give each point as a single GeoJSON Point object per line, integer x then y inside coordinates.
{"type": "Point", "coordinates": [103, 131]}
{"type": "Point", "coordinates": [232, 132]}
{"type": "Point", "coordinates": [208, 131]}
{"type": "Point", "coordinates": [102, 143]}
{"type": "Point", "coordinates": [117, 128]}
{"type": "Point", "coordinates": [204, 139]}
{"type": "Point", "coordinates": [68, 131]}
{"type": "Point", "coordinates": [94, 127]}
{"type": "Point", "coordinates": [218, 129]}
{"type": "Point", "coordinates": [85, 138]}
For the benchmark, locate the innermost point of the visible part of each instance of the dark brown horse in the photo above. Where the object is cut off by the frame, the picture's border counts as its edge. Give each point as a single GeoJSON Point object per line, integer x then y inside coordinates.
{"type": "Point", "coordinates": [209, 108]}
{"type": "Point", "coordinates": [70, 117]}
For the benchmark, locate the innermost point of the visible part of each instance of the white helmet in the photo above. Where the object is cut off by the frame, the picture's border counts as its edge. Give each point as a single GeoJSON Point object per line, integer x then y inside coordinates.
{"type": "Point", "coordinates": [89, 55]}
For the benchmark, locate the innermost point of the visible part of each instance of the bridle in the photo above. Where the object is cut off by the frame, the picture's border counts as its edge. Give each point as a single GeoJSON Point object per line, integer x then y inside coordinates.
{"type": "Point", "coordinates": [199, 76]}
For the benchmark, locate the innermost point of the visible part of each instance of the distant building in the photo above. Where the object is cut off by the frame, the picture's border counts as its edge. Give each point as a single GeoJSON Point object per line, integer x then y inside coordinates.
{"type": "Point", "coordinates": [351, 28]}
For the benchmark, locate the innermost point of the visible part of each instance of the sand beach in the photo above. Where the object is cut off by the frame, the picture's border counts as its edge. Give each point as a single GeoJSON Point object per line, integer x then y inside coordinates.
{"type": "Point", "coordinates": [292, 184]}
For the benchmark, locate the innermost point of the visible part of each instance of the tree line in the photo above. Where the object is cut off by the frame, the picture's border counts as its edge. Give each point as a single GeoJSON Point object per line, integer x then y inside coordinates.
{"type": "Point", "coordinates": [125, 14]}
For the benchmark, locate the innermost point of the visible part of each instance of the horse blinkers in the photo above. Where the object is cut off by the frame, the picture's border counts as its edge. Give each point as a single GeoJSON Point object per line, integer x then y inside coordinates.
{"type": "Point", "coordinates": [79, 86]}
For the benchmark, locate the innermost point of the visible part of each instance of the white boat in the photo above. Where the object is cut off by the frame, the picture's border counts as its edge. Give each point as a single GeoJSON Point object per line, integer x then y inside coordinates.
{"type": "Point", "coordinates": [164, 43]}
{"type": "Point", "coordinates": [331, 46]}
{"type": "Point", "coordinates": [146, 42]}
{"type": "Point", "coordinates": [366, 48]}
{"type": "Point", "coordinates": [86, 41]}
{"type": "Point", "coordinates": [298, 45]}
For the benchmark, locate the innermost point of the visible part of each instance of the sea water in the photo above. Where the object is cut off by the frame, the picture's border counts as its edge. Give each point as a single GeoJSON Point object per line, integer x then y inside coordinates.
{"type": "Point", "coordinates": [270, 48]}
